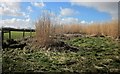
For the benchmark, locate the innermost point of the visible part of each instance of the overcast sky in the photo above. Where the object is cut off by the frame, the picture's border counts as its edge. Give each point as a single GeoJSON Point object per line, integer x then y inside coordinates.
{"type": "Point", "coordinates": [24, 14]}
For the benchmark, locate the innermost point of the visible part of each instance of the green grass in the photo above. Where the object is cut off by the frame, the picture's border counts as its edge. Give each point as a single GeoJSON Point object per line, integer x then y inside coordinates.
{"type": "Point", "coordinates": [95, 43]}
{"type": "Point", "coordinates": [17, 35]}
{"type": "Point", "coordinates": [95, 55]}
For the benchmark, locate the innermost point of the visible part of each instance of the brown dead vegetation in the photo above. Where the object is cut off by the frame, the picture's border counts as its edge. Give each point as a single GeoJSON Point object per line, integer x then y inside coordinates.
{"type": "Point", "coordinates": [44, 29]}
{"type": "Point", "coordinates": [103, 29]}
{"type": "Point", "coordinates": [47, 29]}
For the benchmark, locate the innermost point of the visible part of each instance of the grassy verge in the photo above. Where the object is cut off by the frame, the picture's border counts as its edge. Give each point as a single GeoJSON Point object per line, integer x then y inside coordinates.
{"type": "Point", "coordinates": [17, 35]}
{"type": "Point", "coordinates": [95, 55]}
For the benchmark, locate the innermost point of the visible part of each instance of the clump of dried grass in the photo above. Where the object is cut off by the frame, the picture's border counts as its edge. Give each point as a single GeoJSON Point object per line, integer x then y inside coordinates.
{"type": "Point", "coordinates": [44, 29]}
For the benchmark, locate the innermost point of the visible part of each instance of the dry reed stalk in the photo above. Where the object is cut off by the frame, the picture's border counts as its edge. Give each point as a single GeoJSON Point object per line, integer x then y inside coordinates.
{"type": "Point", "coordinates": [44, 29]}
{"type": "Point", "coordinates": [106, 29]}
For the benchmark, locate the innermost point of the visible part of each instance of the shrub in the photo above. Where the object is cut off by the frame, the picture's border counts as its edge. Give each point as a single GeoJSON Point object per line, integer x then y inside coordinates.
{"type": "Point", "coordinates": [44, 29]}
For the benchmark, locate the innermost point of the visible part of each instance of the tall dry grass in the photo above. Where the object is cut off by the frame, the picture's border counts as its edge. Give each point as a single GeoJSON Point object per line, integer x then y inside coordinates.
{"type": "Point", "coordinates": [72, 28]}
{"type": "Point", "coordinates": [106, 29]}
{"type": "Point", "coordinates": [44, 29]}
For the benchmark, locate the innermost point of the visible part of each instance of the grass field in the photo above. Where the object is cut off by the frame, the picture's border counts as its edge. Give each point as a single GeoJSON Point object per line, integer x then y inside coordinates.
{"type": "Point", "coordinates": [96, 54]}
{"type": "Point", "coordinates": [96, 48]}
{"type": "Point", "coordinates": [17, 35]}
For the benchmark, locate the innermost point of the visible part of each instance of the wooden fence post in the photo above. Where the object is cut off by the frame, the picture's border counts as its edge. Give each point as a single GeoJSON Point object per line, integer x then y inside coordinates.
{"type": "Point", "coordinates": [23, 34]}
{"type": "Point", "coordinates": [2, 38]}
{"type": "Point", "coordinates": [30, 33]}
{"type": "Point", "coordinates": [9, 34]}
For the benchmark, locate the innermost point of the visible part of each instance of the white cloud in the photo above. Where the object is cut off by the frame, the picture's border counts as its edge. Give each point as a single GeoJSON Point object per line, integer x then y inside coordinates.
{"type": "Point", "coordinates": [27, 16]}
{"type": "Point", "coordinates": [11, 5]}
{"type": "Point", "coordinates": [69, 20]}
{"type": "Point", "coordinates": [67, 12]}
{"type": "Point", "coordinates": [29, 8]}
{"type": "Point", "coordinates": [86, 22]}
{"type": "Point", "coordinates": [108, 7]}
{"type": "Point", "coordinates": [16, 23]}
{"type": "Point", "coordinates": [38, 4]}
{"type": "Point", "coordinates": [11, 9]}
{"type": "Point", "coordinates": [91, 22]}
{"type": "Point", "coordinates": [59, 0]}
{"type": "Point", "coordinates": [28, 20]}
{"type": "Point", "coordinates": [83, 22]}
{"type": "Point", "coordinates": [10, 0]}
{"type": "Point", "coordinates": [94, 0]}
